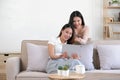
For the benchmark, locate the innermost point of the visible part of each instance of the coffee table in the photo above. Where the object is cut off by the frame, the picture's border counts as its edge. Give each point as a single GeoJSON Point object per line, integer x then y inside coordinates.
{"type": "Point", "coordinates": [101, 76]}
{"type": "Point", "coordinates": [71, 76]}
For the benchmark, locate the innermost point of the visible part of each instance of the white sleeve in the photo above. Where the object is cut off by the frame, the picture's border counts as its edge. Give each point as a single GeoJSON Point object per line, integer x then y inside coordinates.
{"type": "Point", "coordinates": [52, 41]}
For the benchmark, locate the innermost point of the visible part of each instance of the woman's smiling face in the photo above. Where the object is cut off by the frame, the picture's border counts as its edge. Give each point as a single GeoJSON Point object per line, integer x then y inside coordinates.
{"type": "Point", "coordinates": [66, 34]}
{"type": "Point", "coordinates": [77, 21]}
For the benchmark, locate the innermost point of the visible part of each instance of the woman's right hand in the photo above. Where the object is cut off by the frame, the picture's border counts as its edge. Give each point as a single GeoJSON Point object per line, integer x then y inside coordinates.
{"type": "Point", "coordinates": [64, 55]}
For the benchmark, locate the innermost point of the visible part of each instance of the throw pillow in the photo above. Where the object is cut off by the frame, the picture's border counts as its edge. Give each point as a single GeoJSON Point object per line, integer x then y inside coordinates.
{"type": "Point", "coordinates": [109, 56]}
{"type": "Point", "coordinates": [86, 56]}
{"type": "Point", "coordinates": [37, 57]}
{"type": "Point", "coordinates": [84, 51]}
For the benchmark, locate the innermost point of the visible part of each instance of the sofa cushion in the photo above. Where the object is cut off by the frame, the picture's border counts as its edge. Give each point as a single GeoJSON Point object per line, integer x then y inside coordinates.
{"type": "Point", "coordinates": [84, 51]}
{"type": "Point", "coordinates": [96, 60]}
{"type": "Point", "coordinates": [37, 57]}
{"type": "Point", "coordinates": [24, 55]}
{"type": "Point", "coordinates": [32, 76]}
{"type": "Point", "coordinates": [86, 56]}
{"type": "Point", "coordinates": [109, 56]}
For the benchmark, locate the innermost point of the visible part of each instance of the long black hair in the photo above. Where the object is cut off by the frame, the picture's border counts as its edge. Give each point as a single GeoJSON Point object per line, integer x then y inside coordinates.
{"type": "Point", "coordinates": [76, 14]}
{"type": "Point", "coordinates": [63, 28]}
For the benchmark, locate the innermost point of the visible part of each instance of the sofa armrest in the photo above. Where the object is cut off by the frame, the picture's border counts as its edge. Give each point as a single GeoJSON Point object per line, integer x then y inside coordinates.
{"type": "Point", "coordinates": [12, 67]}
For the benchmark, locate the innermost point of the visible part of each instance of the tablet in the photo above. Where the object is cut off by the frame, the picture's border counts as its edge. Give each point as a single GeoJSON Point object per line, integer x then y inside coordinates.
{"type": "Point", "coordinates": [70, 49]}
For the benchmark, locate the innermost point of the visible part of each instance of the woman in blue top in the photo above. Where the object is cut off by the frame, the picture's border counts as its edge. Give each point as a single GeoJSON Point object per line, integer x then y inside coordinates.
{"type": "Point", "coordinates": [57, 57]}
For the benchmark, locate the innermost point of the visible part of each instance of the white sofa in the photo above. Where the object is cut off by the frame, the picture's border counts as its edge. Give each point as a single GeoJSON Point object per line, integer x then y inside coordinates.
{"type": "Point", "coordinates": [16, 66]}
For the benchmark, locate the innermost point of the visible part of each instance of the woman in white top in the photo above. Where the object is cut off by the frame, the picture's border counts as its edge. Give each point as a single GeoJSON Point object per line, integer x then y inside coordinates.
{"type": "Point", "coordinates": [57, 57]}
{"type": "Point", "coordinates": [81, 30]}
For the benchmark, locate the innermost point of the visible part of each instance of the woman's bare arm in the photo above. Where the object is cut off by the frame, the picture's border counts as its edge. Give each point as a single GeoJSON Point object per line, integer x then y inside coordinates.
{"type": "Point", "coordinates": [52, 55]}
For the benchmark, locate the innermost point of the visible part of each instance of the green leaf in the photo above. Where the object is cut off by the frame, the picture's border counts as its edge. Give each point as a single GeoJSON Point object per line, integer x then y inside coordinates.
{"type": "Point", "coordinates": [60, 67]}
{"type": "Point", "coordinates": [65, 67]}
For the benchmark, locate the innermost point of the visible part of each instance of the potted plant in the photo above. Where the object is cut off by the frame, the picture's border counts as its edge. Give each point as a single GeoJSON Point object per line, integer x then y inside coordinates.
{"type": "Point", "coordinates": [63, 70]}
{"type": "Point", "coordinates": [59, 71]}
{"type": "Point", "coordinates": [115, 3]}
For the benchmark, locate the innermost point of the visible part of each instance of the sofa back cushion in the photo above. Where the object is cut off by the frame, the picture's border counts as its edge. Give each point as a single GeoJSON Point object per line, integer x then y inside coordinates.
{"type": "Point", "coordinates": [109, 56]}
{"type": "Point", "coordinates": [37, 57]}
{"type": "Point", "coordinates": [96, 59]}
{"type": "Point", "coordinates": [24, 55]}
{"type": "Point", "coordinates": [96, 62]}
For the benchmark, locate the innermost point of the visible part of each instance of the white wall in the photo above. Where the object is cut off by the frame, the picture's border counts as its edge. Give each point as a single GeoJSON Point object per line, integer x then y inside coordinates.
{"type": "Point", "coordinates": [41, 19]}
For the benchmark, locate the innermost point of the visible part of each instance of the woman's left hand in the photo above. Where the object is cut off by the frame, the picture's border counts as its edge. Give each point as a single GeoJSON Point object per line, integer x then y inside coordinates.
{"type": "Point", "coordinates": [78, 39]}
{"type": "Point", "coordinates": [75, 56]}
{"type": "Point", "coordinates": [65, 55]}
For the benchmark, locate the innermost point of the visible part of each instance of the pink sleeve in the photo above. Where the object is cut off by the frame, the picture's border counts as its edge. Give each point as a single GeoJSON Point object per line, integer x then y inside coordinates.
{"type": "Point", "coordinates": [85, 35]}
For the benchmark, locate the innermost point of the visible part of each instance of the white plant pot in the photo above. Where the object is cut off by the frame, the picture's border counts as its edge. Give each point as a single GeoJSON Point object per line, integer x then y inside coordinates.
{"type": "Point", "coordinates": [59, 72]}
{"type": "Point", "coordinates": [65, 72]}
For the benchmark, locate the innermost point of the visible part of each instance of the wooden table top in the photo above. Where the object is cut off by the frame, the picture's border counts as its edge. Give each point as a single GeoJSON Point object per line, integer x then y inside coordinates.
{"type": "Point", "coordinates": [71, 76]}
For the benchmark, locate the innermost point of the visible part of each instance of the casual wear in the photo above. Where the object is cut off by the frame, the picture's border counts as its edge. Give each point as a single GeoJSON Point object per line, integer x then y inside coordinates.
{"type": "Point", "coordinates": [53, 64]}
